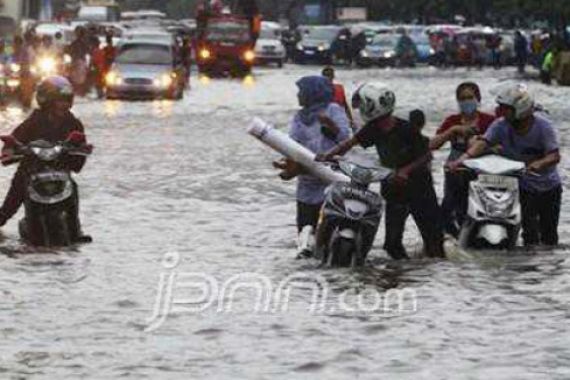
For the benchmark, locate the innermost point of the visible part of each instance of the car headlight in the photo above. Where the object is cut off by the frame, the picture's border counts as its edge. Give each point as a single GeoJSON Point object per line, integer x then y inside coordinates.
{"type": "Point", "coordinates": [205, 54]}
{"type": "Point", "coordinates": [300, 46]}
{"type": "Point", "coordinates": [113, 79]}
{"type": "Point", "coordinates": [165, 80]}
{"type": "Point", "coordinates": [249, 56]}
{"type": "Point", "coordinates": [14, 67]}
{"type": "Point", "coordinates": [389, 54]}
{"type": "Point", "coordinates": [431, 51]}
{"type": "Point", "coordinates": [324, 47]}
{"type": "Point", "coordinates": [364, 54]}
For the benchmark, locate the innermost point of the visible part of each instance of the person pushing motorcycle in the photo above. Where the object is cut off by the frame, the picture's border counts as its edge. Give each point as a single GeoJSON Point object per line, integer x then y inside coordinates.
{"type": "Point", "coordinates": [52, 122]}
{"type": "Point", "coordinates": [401, 147]}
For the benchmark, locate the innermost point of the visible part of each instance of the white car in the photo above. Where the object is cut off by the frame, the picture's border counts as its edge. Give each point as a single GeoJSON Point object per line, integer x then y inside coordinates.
{"type": "Point", "coordinates": [269, 48]}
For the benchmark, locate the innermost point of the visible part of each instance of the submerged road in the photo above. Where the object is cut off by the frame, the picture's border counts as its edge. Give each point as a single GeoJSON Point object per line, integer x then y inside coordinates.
{"type": "Point", "coordinates": [178, 197]}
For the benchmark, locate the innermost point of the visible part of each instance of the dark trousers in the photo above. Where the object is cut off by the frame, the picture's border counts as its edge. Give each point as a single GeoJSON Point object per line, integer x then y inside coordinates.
{"type": "Point", "coordinates": [455, 202]}
{"type": "Point", "coordinates": [421, 202]}
{"type": "Point", "coordinates": [540, 216]}
{"type": "Point", "coordinates": [307, 215]}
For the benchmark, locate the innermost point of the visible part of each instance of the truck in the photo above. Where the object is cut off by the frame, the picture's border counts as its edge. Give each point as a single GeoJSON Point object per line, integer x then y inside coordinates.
{"type": "Point", "coordinates": [226, 38]}
{"type": "Point", "coordinates": [226, 46]}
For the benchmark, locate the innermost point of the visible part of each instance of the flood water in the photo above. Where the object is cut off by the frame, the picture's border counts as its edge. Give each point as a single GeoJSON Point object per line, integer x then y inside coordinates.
{"type": "Point", "coordinates": [179, 197]}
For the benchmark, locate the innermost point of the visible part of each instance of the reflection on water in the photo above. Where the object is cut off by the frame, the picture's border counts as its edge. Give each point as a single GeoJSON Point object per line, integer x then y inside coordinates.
{"type": "Point", "coordinates": [204, 79]}
{"type": "Point", "coordinates": [248, 81]}
{"type": "Point", "coordinates": [112, 107]}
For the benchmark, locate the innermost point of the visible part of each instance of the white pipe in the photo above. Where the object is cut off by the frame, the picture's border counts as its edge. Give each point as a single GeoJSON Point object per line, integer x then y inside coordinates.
{"type": "Point", "coordinates": [291, 149]}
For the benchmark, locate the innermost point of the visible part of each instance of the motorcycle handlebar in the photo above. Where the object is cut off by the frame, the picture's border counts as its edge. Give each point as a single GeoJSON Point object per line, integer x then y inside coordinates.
{"type": "Point", "coordinates": [19, 151]}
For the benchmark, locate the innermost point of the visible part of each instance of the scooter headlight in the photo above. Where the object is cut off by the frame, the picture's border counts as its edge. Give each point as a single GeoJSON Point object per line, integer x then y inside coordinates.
{"type": "Point", "coordinates": [15, 68]}
{"type": "Point", "coordinates": [46, 154]}
{"type": "Point", "coordinates": [355, 209]}
{"type": "Point", "coordinates": [47, 65]}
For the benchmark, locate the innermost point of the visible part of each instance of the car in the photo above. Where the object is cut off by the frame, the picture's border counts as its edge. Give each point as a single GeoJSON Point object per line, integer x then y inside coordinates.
{"type": "Point", "coordinates": [507, 48]}
{"type": "Point", "coordinates": [317, 44]}
{"type": "Point", "coordinates": [472, 44]}
{"type": "Point", "coordinates": [145, 70]}
{"type": "Point", "coordinates": [149, 34]}
{"type": "Point", "coordinates": [381, 51]}
{"type": "Point", "coordinates": [269, 48]}
{"type": "Point", "coordinates": [426, 52]}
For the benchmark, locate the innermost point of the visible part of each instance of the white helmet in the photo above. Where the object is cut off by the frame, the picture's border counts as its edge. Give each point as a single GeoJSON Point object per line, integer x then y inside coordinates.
{"type": "Point", "coordinates": [517, 97]}
{"type": "Point", "coordinates": [374, 100]}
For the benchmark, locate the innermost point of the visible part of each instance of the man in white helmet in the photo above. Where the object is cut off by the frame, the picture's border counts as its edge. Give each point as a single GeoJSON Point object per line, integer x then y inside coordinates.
{"type": "Point", "coordinates": [525, 135]}
{"type": "Point", "coordinates": [401, 147]}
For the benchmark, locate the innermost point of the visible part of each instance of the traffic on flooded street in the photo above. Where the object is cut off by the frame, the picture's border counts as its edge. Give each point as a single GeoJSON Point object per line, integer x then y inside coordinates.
{"type": "Point", "coordinates": [205, 199]}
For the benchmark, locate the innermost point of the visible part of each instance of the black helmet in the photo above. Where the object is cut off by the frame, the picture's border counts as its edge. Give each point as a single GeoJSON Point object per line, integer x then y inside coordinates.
{"type": "Point", "coordinates": [53, 89]}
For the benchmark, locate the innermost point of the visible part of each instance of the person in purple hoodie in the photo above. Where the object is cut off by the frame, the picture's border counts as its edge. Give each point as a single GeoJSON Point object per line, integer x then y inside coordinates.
{"type": "Point", "coordinates": [319, 126]}
{"type": "Point", "coordinates": [525, 135]}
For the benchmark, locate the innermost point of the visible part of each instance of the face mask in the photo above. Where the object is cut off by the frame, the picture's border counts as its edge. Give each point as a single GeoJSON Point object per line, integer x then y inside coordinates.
{"type": "Point", "coordinates": [468, 107]}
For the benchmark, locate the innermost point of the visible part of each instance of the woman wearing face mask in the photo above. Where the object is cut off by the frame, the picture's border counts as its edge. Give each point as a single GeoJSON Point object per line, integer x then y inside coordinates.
{"type": "Point", "coordinates": [527, 136]}
{"type": "Point", "coordinates": [460, 130]}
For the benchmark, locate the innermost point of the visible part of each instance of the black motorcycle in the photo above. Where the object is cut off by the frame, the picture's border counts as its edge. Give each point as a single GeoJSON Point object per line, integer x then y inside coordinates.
{"type": "Point", "coordinates": [51, 199]}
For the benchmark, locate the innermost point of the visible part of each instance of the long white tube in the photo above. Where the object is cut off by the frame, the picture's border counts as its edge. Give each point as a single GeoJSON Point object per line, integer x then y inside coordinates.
{"type": "Point", "coordinates": [291, 149]}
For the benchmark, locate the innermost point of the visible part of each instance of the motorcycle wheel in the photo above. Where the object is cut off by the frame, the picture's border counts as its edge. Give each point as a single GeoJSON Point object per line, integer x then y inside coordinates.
{"type": "Point", "coordinates": [341, 254]}
{"type": "Point", "coordinates": [358, 257]}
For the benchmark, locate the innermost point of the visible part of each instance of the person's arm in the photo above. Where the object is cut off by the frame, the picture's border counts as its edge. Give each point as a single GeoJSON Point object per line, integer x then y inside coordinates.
{"type": "Point", "coordinates": [550, 160]}
{"type": "Point", "coordinates": [477, 149]}
{"type": "Point", "coordinates": [404, 172]}
{"type": "Point", "coordinates": [339, 150]}
{"type": "Point", "coordinates": [552, 146]}
{"type": "Point", "coordinates": [439, 140]}
{"type": "Point", "coordinates": [76, 163]}
{"type": "Point", "coordinates": [330, 128]}
{"type": "Point", "coordinates": [443, 134]}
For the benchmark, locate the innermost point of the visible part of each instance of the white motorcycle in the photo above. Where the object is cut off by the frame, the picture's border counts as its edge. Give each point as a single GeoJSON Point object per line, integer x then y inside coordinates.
{"type": "Point", "coordinates": [494, 212]}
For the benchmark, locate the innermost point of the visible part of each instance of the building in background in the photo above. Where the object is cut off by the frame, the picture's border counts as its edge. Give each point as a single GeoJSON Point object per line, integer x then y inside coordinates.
{"type": "Point", "coordinates": [12, 12]}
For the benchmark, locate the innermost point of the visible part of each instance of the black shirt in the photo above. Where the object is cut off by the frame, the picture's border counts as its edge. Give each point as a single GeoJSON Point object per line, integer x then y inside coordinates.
{"type": "Point", "coordinates": [398, 147]}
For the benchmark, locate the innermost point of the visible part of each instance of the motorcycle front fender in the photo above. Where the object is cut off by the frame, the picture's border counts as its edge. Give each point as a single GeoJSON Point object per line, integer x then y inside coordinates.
{"type": "Point", "coordinates": [494, 234]}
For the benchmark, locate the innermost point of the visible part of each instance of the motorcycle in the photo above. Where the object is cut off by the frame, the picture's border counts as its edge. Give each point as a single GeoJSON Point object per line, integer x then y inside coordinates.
{"type": "Point", "coordinates": [9, 82]}
{"type": "Point", "coordinates": [494, 213]}
{"type": "Point", "coordinates": [46, 66]}
{"type": "Point", "coordinates": [51, 204]}
{"type": "Point", "coordinates": [350, 217]}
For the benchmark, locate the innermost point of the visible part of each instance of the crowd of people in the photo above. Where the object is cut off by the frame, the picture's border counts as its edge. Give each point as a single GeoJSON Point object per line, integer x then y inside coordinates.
{"type": "Point", "coordinates": [517, 129]}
